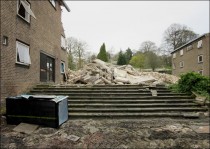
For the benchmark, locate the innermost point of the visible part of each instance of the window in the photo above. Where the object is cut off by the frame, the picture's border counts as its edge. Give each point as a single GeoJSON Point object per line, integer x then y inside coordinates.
{"type": "Point", "coordinates": [52, 2]}
{"type": "Point", "coordinates": [181, 64]}
{"type": "Point", "coordinates": [174, 66]}
{"type": "Point", "coordinates": [199, 44]}
{"type": "Point", "coordinates": [190, 47]}
{"type": "Point", "coordinates": [174, 55]}
{"type": "Point", "coordinates": [62, 67]}
{"type": "Point", "coordinates": [24, 10]}
{"type": "Point", "coordinates": [200, 58]}
{"type": "Point", "coordinates": [181, 52]}
{"type": "Point", "coordinates": [200, 72]}
{"type": "Point", "coordinates": [5, 40]}
{"type": "Point", "coordinates": [22, 53]}
{"type": "Point", "coordinates": [63, 42]}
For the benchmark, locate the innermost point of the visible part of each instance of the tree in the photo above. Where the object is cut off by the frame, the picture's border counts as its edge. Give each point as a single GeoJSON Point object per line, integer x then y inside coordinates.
{"type": "Point", "coordinates": [71, 64]}
{"type": "Point", "coordinates": [151, 60]}
{"type": "Point", "coordinates": [102, 55]}
{"type": "Point", "coordinates": [128, 55]}
{"type": "Point", "coordinates": [77, 48]}
{"type": "Point", "coordinates": [177, 35]}
{"type": "Point", "coordinates": [121, 59]}
{"type": "Point", "coordinates": [148, 46]}
{"type": "Point", "coordinates": [138, 60]}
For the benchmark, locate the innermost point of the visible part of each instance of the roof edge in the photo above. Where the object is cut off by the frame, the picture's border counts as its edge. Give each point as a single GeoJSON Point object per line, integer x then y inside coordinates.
{"type": "Point", "coordinates": [189, 42]}
{"type": "Point", "coordinates": [66, 6]}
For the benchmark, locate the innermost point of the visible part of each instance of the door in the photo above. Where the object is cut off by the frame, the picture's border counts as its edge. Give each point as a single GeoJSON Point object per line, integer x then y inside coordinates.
{"type": "Point", "coordinates": [47, 68]}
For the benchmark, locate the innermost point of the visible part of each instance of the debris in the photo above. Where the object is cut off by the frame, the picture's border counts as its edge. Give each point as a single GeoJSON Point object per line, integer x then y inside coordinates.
{"type": "Point", "coordinates": [154, 92]}
{"type": "Point", "coordinates": [100, 72]}
{"type": "Point", "coordinates": [26, 128]}
{"type": "Point", "coordinates": [73, 138]}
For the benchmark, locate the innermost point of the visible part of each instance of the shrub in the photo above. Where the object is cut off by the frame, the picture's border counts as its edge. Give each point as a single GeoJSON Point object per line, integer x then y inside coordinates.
{"type": "Point", "coordinates": [192, 82]}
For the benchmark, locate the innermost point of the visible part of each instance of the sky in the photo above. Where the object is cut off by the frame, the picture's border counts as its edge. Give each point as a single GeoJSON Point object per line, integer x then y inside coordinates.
{"type": "Point", "coordinates": [123, 24]}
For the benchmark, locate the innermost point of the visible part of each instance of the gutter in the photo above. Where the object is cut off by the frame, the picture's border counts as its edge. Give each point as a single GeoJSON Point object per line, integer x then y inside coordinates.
{"type": "Point", "coordinates": [65, 5]}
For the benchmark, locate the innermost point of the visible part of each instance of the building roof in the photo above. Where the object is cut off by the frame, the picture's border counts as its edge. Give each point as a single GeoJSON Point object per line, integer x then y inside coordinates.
{"type": "Point", "coordinates": [189, 42]}
{"type": "Point", "coordinates": [65, 5]}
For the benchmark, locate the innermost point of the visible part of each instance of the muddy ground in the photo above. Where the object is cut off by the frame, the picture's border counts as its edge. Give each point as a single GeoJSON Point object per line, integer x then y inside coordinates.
{"type": "Point", "coordinates": [114, 133]}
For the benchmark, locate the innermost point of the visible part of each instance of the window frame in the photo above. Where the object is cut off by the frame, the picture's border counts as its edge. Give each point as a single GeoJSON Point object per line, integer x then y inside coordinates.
{"type": "Point", "coordinates": [28, 47]}
{"type": "Point", "coordinates": [189, 47]}
{"type": "Point", "coordinates": [200, 71]}
{"type": "Point", "coordinates": [173, 66]}
{"type": "Point", "coordinates": [181, 52]}
{"type": "Point", "coordinates": [63, 42]}
{"type": "Point", "coordinates": [181, 64]}
{"type": "Point", "coordinates": [5, 41]}
{"type": "Point", "coordinates": [64, 70]}
{"type": "Point", "coordinates": [174, 55]}
{"type": "Point", "coordinates": [200, 44]}
{"type": "Point", "coordinates": [199, 59]}
{"type": "Point", "coordinates": [27, 19]}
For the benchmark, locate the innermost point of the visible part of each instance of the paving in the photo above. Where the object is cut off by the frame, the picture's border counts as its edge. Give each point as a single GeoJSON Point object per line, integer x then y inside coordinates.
{"type": "Point", "coordinates": [113, 133]}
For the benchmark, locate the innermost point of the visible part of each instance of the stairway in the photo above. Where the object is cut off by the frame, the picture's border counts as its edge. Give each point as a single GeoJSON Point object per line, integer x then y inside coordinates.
{"type": "Point", "coordinates": [123, 101]}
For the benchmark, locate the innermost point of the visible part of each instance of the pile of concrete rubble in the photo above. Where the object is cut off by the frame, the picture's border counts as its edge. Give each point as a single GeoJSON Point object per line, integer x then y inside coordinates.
{"type": "Point", "coordinates": [99, 72]}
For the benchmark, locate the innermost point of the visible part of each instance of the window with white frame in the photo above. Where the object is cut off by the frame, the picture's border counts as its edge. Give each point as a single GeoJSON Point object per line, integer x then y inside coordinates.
{"type": "Point", "coordinates": [63, 42]}
{"type": "Point", "coordinates": [22, 53]}
{"type": "Point", "coordinates": [199, 44]}
{"type": "Point", "coordinates": [190, 47]}
{"type": "Point", "coordinates": [181, 64]}
{"type": "Point", "coordinates": [5, 40]}
{"type": "Point", "coordinates": [174, 66]}
{"type": "Point", "coordinates": [52, 2]}
{"type": "Point", "coordinates": [174, 55]}
{"type": "Point", "coordinates": [200, 72]}
{"type": "Point", "coordinates": [62, 67]}
{"type": "Point", "coordinates": [200, 58]}
{"type": "Point", "coordinates": [181, 52]}
{"type": "Point", "coordinates": [24, 10]}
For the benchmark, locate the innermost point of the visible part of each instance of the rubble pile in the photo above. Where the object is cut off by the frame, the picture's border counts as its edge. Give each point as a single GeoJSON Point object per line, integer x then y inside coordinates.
{"type": "Point", "coordinates": [99, 72]}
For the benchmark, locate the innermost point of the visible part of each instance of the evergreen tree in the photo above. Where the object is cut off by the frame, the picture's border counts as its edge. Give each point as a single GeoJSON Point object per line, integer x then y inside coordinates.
{"type": "Point", "coordinates": [128, 55]}
{"type": "Point", "coordinates": [102, 55]}
{"type": "Point", "coordinates": [121, 59]}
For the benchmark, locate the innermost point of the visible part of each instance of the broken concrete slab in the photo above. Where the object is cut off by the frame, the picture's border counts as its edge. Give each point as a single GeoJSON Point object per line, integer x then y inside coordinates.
{"type": "Point", "coordinates": [154, 92]}
{"type": "Point", "coordinates": [202, 129]}
{"type": "Point", "coordinates": [26, 128]}
{"type": "Point", "coordinates": [100, 72]}
{"type": "Point", "coordinates": [73, 138]}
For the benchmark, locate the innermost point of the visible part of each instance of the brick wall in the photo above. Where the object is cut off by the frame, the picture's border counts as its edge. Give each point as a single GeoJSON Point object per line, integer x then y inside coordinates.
{"type": "Point", "coordinates": [190, 58]}
{"type": "Point", "coordinates": [43, 34]}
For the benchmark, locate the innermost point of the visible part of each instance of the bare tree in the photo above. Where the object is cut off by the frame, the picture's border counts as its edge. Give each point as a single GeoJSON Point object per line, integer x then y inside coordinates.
{"type": "Point", "coordinates": [147, 46]}
{"type": "Point", "coordinates": [77, 49]}
{"type": "Point", "coordinates": [177, 35]}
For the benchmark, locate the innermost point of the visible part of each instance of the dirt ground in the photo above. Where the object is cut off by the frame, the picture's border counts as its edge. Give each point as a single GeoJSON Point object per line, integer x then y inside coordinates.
{"type": "Point", "coordinates": [113, 133]}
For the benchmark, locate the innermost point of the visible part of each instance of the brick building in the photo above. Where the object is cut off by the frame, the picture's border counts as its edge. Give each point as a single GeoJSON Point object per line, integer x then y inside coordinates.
{"type": "Point", "coordinates": [32, 44]}
{"type": "Point", "coordinates": [193, 56]}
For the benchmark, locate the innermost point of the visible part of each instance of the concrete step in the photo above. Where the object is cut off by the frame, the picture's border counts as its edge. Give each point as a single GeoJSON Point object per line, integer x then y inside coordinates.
{"type": "Point", "coordinates": [95, 94]}
{"type": "Point", "coordinates": [191, 115]}
{"type": "Point", "coordinates": [136, 101]}
{"type": "Point", "coordinates": [123, 101]}
{"type": "Point", "coordinates": [91, 91]}
{"type": "Point", "coordinates": [122, 110]}
{"type": "Point", "coordinates": [108, 105]}
{"type": "Point", "coordinates": [129, 97]}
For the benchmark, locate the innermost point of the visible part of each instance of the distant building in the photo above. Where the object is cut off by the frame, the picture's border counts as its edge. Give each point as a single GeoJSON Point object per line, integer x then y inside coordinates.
{"type": "Point", "coordinates": [32, 44]}
{"type": "Point", "coordinates": [193, 56]}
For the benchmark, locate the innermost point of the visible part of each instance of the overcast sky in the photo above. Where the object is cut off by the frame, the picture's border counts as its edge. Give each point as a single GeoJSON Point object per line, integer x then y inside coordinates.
{"type": "Point", "coordinates": [123, 24]}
